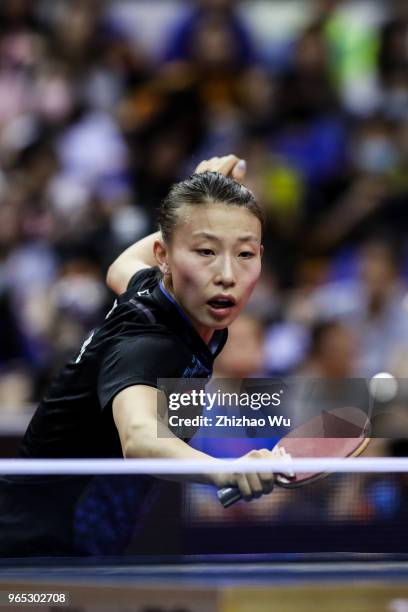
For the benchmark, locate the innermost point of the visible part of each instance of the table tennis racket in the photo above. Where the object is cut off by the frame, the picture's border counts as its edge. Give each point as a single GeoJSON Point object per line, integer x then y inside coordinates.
{"type": "Point", "coordinates": [338, 433]}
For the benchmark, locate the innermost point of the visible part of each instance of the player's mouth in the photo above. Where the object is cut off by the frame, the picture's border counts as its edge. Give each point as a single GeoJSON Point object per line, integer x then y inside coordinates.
{"type": "Point", "coordinates": [221, 305]}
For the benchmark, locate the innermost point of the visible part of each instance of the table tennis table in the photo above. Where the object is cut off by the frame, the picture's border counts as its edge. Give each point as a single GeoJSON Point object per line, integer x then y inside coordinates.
{"type": "Point", "coordinates": [215, 583]}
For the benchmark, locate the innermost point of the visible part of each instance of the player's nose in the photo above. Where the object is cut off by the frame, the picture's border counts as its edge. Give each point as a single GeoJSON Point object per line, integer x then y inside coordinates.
{"type": "Point", "coordinates": [225, 274]}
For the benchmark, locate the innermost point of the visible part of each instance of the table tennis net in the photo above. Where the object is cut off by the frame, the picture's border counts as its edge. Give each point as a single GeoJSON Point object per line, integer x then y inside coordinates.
{"type": "Point", "coordinates": [360, 512]}
{"type": "Point", "coordinates": [338, 497]}
{"type": "Point", "coordinates": [361, 506]}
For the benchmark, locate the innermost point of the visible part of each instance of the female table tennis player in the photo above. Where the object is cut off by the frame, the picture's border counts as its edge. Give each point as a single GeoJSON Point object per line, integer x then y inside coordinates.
{"type": "Point", "coordinates": [179, 289]}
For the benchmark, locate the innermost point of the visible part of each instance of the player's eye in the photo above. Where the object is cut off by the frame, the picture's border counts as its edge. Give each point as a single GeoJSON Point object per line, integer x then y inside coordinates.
{"type": "Point", "coordinates": [246, 254]}
{"type": "Point", "coordinates": [205, 252]}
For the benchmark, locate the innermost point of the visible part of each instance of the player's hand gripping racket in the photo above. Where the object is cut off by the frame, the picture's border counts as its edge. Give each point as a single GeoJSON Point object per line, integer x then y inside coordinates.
{"type": "Point", "coordinates": [340, 433]}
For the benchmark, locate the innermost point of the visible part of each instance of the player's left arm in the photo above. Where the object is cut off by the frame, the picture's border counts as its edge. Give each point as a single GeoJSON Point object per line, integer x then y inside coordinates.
{"type": "Point", "coordinates": [137, 257]}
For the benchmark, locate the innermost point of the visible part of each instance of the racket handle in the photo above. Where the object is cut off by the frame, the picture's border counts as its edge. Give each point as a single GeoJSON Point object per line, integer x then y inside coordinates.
{"type": "Point", "coordinates": [228, 496]}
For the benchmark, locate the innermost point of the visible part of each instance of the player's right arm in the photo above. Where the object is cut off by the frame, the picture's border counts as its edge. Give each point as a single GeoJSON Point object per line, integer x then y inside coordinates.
{"type": "Point", "coordinates": [144, 434]}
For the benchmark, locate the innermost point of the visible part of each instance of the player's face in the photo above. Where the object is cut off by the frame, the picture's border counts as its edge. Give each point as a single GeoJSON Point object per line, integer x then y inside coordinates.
{"type": "Point", "coordinates": [214, 261]}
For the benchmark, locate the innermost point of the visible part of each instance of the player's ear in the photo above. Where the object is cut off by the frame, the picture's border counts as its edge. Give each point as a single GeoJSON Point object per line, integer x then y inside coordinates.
{"type": "Point", "coordinates": [161, 253]}
{"type": "Point", "coordinates": [261, 250]}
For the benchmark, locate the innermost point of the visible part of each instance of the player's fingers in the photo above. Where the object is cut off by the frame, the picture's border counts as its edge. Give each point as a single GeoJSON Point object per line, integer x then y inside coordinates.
{"type": "Point", "coordinates": [288, 472]}
{"type": "Point", "coordinates": [239, 171]}
{"type": "Point", "coordinates": [213, 164]}
{"type": "Point", "coordinates": [241, 481]}
{"type": "Point", "coordinates": [208, 165]}
{"type": "Point", "coordinates": [267, 478]}
{"type": "Point", "coordinates": [255, 484]}
{"type": "Point", "coordinates": [202, 167]}
{"type": "Point", "coordinates": [226, 164]}
{"type": "Point", "coordinates": [278, 451]}
{"type": "Point", "coordinates": [267, 481]}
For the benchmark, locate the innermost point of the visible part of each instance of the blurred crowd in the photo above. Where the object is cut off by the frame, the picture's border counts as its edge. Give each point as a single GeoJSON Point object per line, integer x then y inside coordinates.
{"type": "Point", "coordinates": [105, 103]}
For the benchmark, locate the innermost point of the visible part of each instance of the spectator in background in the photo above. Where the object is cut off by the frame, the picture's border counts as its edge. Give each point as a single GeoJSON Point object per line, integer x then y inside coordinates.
{"type": "Point", "coordinates": [352, 37]}
{"type": "Point", "coordinates": [222, 19]}
{"type": "Point", "coordinates": [247, 331]}
{"type": "Point", "coordinates": [373, 304]}
{"type": "Point", "coordinates": [326, 379]}
{"type": "Point", "coordinates": [368, 297]}
{"type": "Point", "coordinates": [311, 134]}
{"type": "Point", "coordinates": [331, 353]}
{"type": "Point", "coordinates": [212, 52]}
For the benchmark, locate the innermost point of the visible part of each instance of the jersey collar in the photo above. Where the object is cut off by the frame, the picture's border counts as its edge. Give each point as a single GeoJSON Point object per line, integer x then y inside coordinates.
{"type": "Point", "coordinates": [219, 338]}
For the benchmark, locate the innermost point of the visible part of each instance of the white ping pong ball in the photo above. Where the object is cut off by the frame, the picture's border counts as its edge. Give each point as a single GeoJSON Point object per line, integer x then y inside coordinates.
{"type": "Point", "coordinates": [383, 387]}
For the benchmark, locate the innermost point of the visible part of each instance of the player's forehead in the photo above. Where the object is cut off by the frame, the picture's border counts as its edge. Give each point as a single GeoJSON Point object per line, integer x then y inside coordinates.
{"type": "Point", "coordinates": [218, 221]}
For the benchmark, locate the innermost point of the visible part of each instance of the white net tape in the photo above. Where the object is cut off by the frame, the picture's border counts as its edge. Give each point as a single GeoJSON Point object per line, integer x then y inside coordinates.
{"type": "Point", "coordinates": [179, 466]}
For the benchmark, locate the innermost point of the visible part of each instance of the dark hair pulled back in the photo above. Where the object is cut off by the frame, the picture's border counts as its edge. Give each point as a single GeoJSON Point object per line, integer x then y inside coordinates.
{"type": "Point", "coordinates": [202, 189]}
